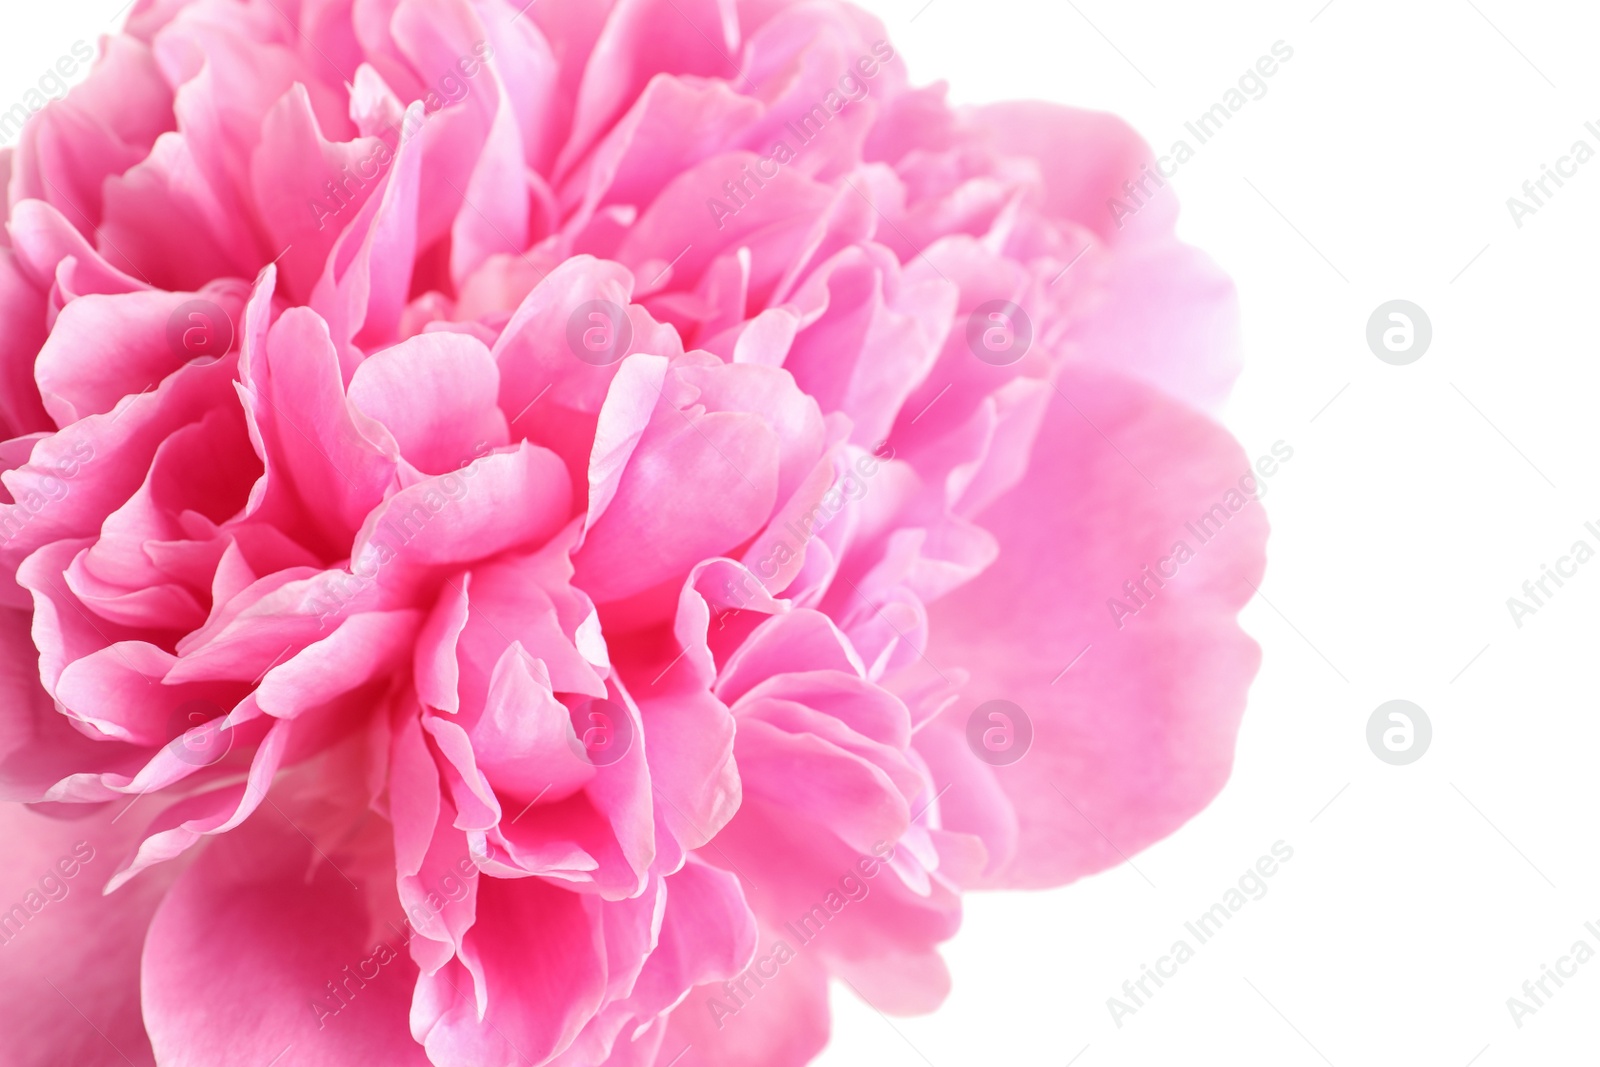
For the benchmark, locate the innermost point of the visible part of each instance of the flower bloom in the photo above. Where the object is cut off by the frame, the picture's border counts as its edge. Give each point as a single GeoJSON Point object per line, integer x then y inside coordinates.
{"type": "Point", "coordinates": [515, 524]}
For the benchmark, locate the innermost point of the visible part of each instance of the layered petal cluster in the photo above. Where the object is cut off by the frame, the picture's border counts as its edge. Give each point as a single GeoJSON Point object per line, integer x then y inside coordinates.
{"type": "Point", "coordinates": [515, 523]}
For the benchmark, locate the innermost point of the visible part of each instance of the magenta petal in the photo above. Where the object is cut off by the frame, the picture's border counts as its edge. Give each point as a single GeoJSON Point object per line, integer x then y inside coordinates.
{"type": "Point", "coordinates": [784, 1025]}
{"type": "Point", "coordinates": [436, 394]}
{"type": "Point", "coordinates": [1136, 749]}
{"type": "Point", "coordinates": [71, 979]}
{"type": "Point", "coordinates": [337, 991]}
{"type": "Point", "coordinates": [533, 944]}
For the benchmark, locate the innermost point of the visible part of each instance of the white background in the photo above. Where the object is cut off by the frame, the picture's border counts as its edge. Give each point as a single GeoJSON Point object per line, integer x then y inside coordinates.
{"type": "Point", "coordinates": [1419, 499]}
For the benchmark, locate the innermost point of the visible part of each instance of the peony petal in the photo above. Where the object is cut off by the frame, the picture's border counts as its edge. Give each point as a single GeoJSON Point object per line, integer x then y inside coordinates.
{"type": "Point", "coordinates": [436, 394]}
{"type": "Point", "coordinates": [71, 980]}
{"type": "Point", "coordinates": [1139, 735]}
{"type": "Point", "coordinates": [221, 982]}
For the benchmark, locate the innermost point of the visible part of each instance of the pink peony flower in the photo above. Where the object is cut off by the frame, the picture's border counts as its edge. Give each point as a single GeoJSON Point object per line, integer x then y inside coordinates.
{"type": "Point", "coordinates": [545, 536]}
